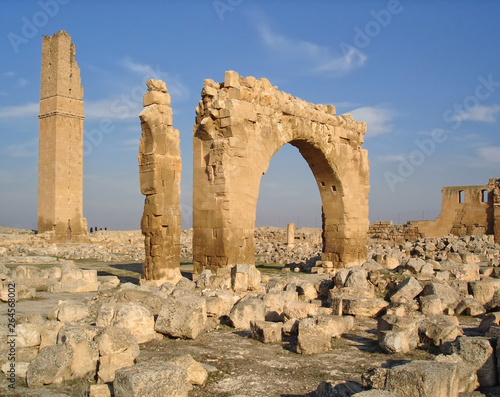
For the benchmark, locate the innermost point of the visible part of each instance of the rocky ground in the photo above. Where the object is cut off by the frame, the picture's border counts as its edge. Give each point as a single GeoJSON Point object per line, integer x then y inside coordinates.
{"type": "Point", "coordinates": [416, 319]}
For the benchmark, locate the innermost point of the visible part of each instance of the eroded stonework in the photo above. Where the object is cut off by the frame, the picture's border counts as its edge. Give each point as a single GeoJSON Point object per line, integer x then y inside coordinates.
{"type": "Point", "coordinates": [240, 125]}
{"type": "Point", "coordinates": [60, 160]}
{"type": "Point", "coordinates": [160, 176]}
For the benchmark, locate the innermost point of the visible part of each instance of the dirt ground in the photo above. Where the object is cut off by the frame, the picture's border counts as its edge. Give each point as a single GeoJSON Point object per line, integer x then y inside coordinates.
{"type": "Point", "coordinates": [239, 366]}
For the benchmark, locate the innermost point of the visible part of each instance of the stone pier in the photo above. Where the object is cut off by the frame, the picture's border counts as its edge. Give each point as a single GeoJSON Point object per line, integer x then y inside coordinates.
{"type": "Point", "coordinates": [290, 235]}
{"type": "Point", "coordinates": [160, 177]}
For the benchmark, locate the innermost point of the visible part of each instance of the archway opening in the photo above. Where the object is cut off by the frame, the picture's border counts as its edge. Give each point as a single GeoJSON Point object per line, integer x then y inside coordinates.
{"type": "Point", "coordinates": [288, 192]}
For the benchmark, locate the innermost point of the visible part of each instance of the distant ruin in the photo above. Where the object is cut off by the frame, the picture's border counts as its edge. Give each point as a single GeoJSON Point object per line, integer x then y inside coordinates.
{"type": "Point", "coordinates": [240, 125]}
{"type": "Point", "coordinates": [465, 210]}
{"type": "Point", "coordinates": [60, 161]}
{"type": "Point", "coordinates": [160, 177]}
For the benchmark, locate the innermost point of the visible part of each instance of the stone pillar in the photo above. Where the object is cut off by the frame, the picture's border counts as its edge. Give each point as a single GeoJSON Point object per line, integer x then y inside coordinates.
{"type": "Point", "coordinates": [290, 235]}
{"type": "Point", "coordinates": [160, 177]}
{"type": "Point", "coordinates": [60, 160]}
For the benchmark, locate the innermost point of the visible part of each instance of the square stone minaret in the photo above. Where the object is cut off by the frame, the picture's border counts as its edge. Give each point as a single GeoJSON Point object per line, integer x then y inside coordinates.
{"type": "Point", "coordinates": [60, 161]}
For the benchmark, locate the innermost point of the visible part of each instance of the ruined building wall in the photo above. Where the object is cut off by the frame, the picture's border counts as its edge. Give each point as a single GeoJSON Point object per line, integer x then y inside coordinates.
{"type": "Point", "coordinates": [463, 212]}
{"type": "Point", "coordinates": [160, 176]}
{"type": "Point", "coordinates": [60, 161]}
{"type": "Point", "coordinates": [240, 125]}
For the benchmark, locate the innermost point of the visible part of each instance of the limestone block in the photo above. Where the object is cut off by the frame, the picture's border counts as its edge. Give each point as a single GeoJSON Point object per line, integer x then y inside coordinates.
{"type": "Point", "coordinates": [153, 378]}
{"type": "Point", "coordinates": [221, 304]}
{"type": "Point", "coordinates": [439, 329]}
{"type": "Point", "coordinates": [431, 305]}
{"type": "Point", "coordinates": [245, 278]}
{"type": "Point", "coordinates": [298, 310]}
{"type": "Point", "coordinates": [484, 290]}
{"type": "Point", "coordinates": [266, 332]}
{"type": "Point", "coordinates": [99, 391]}
{"type": "Point", "coordinates": [182, 317]}
{"type": "Point", "coordinates": [398, 334]}
{"type": "Point", "coordinates": [231, 79]}
{"type": "Point", "coordinates": [421, 378]}
{"type": "Point", "coordinates": [136, 318]}
{"type": "Point", "coordinates": [273, 306]}
{"type": "Point", "coordinates": [307, 292]}
{"type": "Point", "coordinates": [196, 374]}
{"type": "Point", "coordinates": [408, 289]}
{"type": "Point", "coordinates": [449, 297]}
{"type": "Point", "coordinates": [478, 353]}
{"type": "Point", "coordinates": [68, 312]}
{"type": "Point", "coordinates": [48, 335]}
{"type": "Point", "coordinates": [489, 320]}
{"type": "Point", "coordinates": [363, 307]}
{"type": "Point", "coordinates": [467, 377]}
{"type": "Point", "coordinates": [28, 335]}
{"type": "Point", "coordinates": [51, 365]}
{"type": "Point", "coordinates": [85, 351]}
{"type": "Point", "coordinates": [246, 311]}
{"type": "Point", "coordinates": [312, 337]}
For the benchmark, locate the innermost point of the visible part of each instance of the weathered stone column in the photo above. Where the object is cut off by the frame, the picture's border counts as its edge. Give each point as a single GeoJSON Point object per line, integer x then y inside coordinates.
{"type": "Point", "coordinates": [290, 235]}
{"type": "Point", "coordinates": [160, 176]}
{"type": "Point", "coordinates": [60, 151]}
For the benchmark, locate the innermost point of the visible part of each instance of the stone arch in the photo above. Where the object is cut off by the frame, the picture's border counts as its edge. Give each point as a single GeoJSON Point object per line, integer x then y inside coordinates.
{"type": "Point", "coordinates": [240, 125]}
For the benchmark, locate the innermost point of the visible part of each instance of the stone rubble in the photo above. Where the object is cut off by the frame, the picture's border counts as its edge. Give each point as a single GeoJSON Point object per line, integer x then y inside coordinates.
{"type": "Point", "coordinates": [416, 304]}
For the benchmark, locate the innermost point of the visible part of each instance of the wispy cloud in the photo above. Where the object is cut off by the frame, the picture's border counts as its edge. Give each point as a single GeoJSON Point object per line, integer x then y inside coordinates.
{"type": "Point", "coordinates": [174, 84]}
{"type": "Point", "coordinates": [27, 110]}
{"type": "Point", "coordinates": [490, 154]}
{"type": "Point", "coordinates": [318, 58]}
{"type": "Point", "coordinates": [9, 74]}
{"type": "Point", "coordinates": [112, 108]}
{"type": "Point", "coordinates": [485, 114]}
{"type": "Point", "coordinates": [129, 145]}
{"type": "Point", "coordinates": [22, 82]}
{"type": "Point", "coordinates": [378, 119]}
{"type": "Point", "coordinates": [389, 158]}
{"type": "Point", "coordinates": [22, 150]}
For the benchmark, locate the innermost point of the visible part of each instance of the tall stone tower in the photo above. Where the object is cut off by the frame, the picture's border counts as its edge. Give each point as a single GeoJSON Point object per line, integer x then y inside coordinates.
{"type": "Point", "coordinates": [60, 160]}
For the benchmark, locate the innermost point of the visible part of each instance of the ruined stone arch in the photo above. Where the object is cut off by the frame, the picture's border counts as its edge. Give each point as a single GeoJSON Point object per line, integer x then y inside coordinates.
{"type": "Point", "coordinates": [240, 125]}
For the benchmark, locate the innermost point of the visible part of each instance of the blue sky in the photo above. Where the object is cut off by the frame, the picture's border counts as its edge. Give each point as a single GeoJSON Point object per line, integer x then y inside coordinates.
{"type": "Point", "coordinates": [424, 75]}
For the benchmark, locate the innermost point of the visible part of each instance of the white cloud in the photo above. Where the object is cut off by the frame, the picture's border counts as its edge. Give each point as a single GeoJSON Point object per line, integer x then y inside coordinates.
{"type": "Point", "coordinates": [22, 82]}
{"type": "Point", "coordinates": [319, 58]}
{"type": "Point", "coordinates": [22, 150]}
{"type": "Point", "coordinates": [130, 144]}
{"type": "Point", "coordinates": [174, 85]}
{"type": "Point", "coordinates": [485, 114]}
{"type": "Point", "coordinates": [27, 110]}
{"type": "Point", "coordinates": [9, 74]}
{"type": "Point", "coordinates": [490, 154]}
{"type": "Point", "coordinates": [389, 158]}
{"type": "Point", "coordinates": [378, 119]}
{"type": "Point", "coordinates": [117, 108]}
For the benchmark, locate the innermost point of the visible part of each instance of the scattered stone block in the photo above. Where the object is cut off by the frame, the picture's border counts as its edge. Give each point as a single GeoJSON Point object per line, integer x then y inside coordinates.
{"type": "Point", "coordinates": [51, 365]}
{"type": "Point", "coordinates": [266, 332]}
{"type": "Point", "coordinates": [182, 317]}
{"type": "Point", "coordinates": [154, 378]}
{"type": "Point", "coordinates": [246, 311]}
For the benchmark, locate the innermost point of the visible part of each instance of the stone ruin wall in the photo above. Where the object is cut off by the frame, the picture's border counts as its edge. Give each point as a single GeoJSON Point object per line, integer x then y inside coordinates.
{"type": "Point", "coordinates": [240, 124]}
{"type": "Point", "coordinates": [160, 176]}
{"type": "Point", "coordinates": [60, 160]}
{"type": "Point", "coordinates": [465, 210]}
